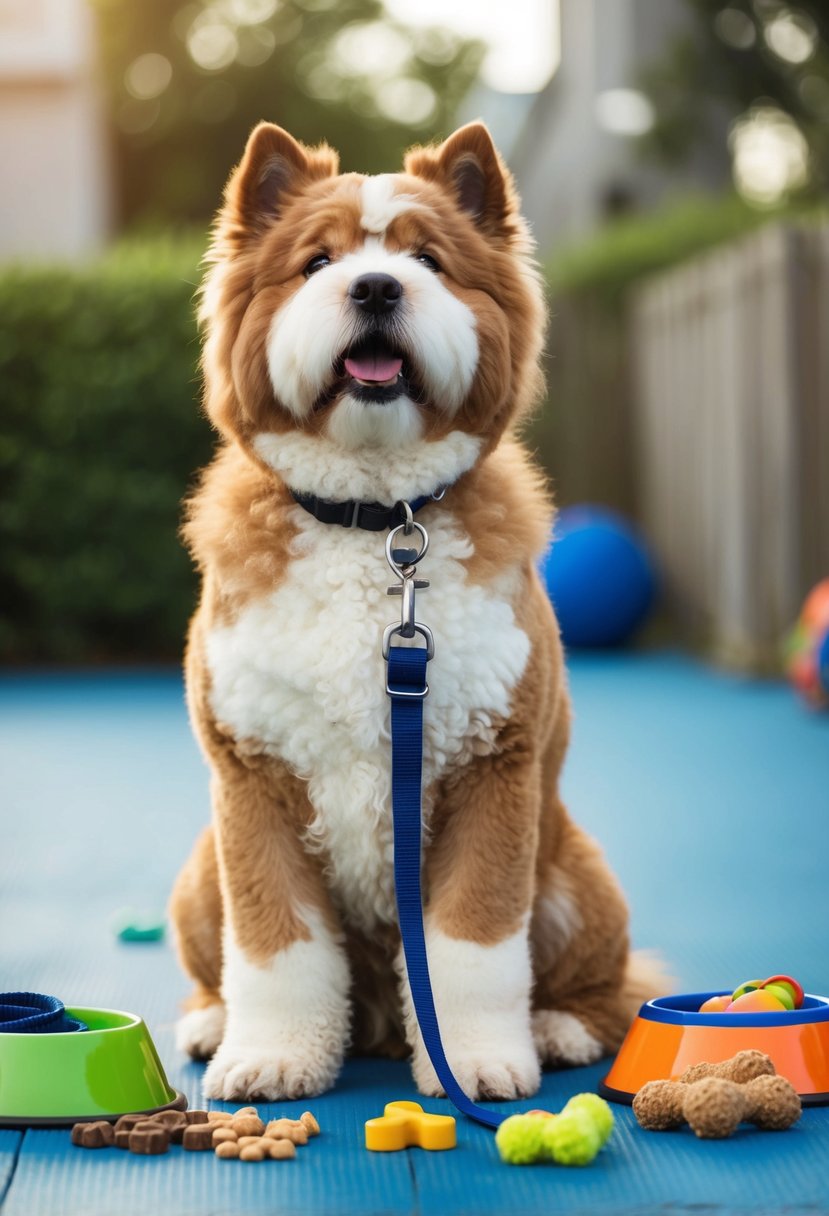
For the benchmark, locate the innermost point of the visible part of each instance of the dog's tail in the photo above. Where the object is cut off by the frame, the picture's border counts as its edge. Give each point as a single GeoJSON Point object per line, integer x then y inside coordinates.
{"type": "Point", "coordinates": [647, 976]}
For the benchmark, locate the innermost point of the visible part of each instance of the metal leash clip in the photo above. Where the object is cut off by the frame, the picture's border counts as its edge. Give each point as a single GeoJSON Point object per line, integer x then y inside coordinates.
{"type": "Point", "coordinates": [403, 563]}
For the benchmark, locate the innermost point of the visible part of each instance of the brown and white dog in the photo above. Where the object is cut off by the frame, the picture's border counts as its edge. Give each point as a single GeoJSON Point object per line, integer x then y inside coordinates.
{"type": "Point", "coordinates": [377, 339]}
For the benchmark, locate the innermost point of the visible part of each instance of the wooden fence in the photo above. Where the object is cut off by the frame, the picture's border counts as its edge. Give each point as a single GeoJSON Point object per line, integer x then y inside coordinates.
{"type": "Point", "coordinates": [730, 452]}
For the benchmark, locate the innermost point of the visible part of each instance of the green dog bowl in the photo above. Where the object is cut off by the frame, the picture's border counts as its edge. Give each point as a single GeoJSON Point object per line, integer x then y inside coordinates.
{"type": "Point", "coordinates": [111, 1069]}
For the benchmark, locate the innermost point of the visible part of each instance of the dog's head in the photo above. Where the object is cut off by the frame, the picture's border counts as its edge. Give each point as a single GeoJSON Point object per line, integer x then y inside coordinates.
{"type": "Point", "coordinates": [370, 322]}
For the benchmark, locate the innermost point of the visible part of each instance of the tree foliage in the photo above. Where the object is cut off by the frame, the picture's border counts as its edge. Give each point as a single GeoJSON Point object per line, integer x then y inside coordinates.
{"type": "Point", "coordinates": [187, 81]}
{"type": "Point", "coordinates": [743, 58]}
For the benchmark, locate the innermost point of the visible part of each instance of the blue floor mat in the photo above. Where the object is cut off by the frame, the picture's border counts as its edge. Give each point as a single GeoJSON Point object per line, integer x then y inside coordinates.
{"type": "Point", "coordinates": [710, 795]}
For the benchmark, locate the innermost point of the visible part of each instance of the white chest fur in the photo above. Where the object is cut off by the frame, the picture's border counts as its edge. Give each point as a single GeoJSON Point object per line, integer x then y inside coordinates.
{"type": "Point", "coordinates": [301, 672]}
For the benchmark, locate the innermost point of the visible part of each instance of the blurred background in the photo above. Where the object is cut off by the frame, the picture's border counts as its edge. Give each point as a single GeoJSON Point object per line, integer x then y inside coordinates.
{"type": "Point", "coordinates": [673, 158]}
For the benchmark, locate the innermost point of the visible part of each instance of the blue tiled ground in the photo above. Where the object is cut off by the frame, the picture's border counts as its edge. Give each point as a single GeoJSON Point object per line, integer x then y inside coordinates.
{"type": "Point", "coordinates": [710, 795]}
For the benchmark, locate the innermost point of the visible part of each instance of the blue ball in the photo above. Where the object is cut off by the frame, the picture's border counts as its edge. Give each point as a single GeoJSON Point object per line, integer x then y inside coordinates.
{"type": "Point", "coordinates": [599, 577]}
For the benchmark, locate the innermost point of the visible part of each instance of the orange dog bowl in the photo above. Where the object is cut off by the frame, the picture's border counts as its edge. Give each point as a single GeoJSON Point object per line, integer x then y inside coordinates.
{"type": "Point", "coordinates": [669, 1034]}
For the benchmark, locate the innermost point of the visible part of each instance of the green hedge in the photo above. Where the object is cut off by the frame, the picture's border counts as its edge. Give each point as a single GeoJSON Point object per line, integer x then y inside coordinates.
{"type": "Point", "coordinates": [100, 433]}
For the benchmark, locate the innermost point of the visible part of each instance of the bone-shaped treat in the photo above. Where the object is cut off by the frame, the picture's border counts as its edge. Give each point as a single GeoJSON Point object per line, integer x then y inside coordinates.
{"type": "Point", "coordinates": [714, 1106]}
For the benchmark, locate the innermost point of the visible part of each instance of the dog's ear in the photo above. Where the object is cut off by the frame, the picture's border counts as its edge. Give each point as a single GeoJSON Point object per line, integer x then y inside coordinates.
{"type": "Point", "coordinates": [274, 166]}
{"type": "Point", "coordinates": [469, 164]}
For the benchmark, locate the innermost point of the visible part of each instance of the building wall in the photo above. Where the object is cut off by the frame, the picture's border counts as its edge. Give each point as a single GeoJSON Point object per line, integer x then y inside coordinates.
{"type": "Point", "coordinates": [56, 197]}
{"type": "Point", "coordinates": [571, 171]}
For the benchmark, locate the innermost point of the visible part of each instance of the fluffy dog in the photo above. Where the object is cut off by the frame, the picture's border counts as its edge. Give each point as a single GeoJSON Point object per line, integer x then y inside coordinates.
{"type": "Point", "coordinates": [375, 340]}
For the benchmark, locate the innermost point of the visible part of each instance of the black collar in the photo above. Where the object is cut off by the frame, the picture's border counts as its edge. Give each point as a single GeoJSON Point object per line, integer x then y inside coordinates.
{"type": "Point", "coordinates": [370, 516]}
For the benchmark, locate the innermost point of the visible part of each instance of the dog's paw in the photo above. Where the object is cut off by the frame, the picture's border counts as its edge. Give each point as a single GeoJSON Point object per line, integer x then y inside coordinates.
{"type": "Point", "coordinates": [254, 1072]}
{"type": "Point", "coordinates": [200, 1031]}
{"type": "Point", "coordinates": [515, 1073]}
{"type": "Point", "coordinates": [562, 1039]}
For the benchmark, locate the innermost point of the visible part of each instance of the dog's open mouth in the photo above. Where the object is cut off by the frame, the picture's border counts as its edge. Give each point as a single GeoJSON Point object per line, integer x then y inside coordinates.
{"type": "Point", "coordinates": [372, 370]}
{"type": "Point", "coordinates": [372, 363]}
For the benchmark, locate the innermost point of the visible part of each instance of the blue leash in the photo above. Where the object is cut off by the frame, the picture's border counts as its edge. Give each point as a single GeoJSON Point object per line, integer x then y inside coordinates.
{"type": "Point", "coordinates": [33, 1013]}
{"type": "Point", "coordinates": [407, 687]}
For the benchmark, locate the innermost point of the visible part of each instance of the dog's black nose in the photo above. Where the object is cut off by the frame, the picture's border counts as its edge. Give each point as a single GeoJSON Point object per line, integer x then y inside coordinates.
{"type": "Point", "coordinates": [376, 292]}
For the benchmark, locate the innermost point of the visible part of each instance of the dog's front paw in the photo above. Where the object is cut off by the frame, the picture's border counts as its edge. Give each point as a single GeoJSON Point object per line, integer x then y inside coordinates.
{"type": "Point", "coordinates": [562, 1039]}
{"type": "Point", "coordinates": [502, 1072]}
{"type": "Point", "coordinates": [199, 1032]}
{"type": "Point", "coordinates": [269, 1075]}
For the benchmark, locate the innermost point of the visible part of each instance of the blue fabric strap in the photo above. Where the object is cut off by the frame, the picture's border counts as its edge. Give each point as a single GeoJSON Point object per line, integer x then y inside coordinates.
{"type": "Point", "coordinates": [407, 689]}
{"type": "Point", "coordinates": [33, 1013]}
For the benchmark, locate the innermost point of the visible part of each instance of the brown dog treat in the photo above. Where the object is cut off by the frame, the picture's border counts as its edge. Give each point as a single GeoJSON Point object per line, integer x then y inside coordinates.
{"type": "Point", "coordinates": [714, 1107]}
{"type": "Point", "coordinates": [219, 1116]}
{"type": "Point", "coordinates": [280, 1150]}
{"type": "Point", "coordinates": [224, 1134]}
{"type": "Point", "coordinates": [198, 1137]}
{"type": "Point", "coordinates": [252, 1152]}
{"type": "Point", "coordinates": [773, 1103]}
{"type": "Point", "coordinates": [228, 1150]}
{"type": "Point", "coordinates": [658, 1106]}
{"type": "Point", "coordinates": [245, 1110]}
{"type": "Point", "coordinates": [149, 1139]}
{"type": "Point", "coordinates": [122, 1138]}
{"type": "Point", "coordinates": [127, 1122]}
{"type": "Point", "coordinates": [248, 1125]}
{"type": "Point", "coordinates": [93, 1135]}
{"type": "Point", "coordinates": [309, 1123]}
{"type": "Point", "coordinates": [196, 1116]}
{"type": "Point", "coordinates": [743, 1067]}
{"type": "Point", "coordinates": [175, 1121]}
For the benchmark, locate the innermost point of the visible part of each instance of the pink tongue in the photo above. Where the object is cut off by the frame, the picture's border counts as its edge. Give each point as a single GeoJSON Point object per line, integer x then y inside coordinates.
{"type": "Point", "coordinates": [369, 367]}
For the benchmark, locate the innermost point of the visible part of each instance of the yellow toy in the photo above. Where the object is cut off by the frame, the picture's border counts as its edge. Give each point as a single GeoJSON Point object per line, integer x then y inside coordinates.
{"type": "Point", "coordinates": [406, 1123]}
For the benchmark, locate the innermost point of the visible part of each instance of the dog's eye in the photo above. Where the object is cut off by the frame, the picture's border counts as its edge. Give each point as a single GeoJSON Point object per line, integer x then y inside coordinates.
{"type": "Point", "coordinates": [428, 260]}
{"type": "Point", "coordinates": [316, 263]}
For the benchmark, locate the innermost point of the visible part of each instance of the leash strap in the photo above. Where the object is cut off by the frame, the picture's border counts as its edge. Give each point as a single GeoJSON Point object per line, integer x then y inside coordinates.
{"type": "Point", "coordinates": [407, 687]}
{"type": "Point", "coordinates": [34, 1013]}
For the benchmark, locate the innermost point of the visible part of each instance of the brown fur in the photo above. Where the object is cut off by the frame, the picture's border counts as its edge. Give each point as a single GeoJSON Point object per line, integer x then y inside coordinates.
{"type": "Point", "coordinates": [498, 823]}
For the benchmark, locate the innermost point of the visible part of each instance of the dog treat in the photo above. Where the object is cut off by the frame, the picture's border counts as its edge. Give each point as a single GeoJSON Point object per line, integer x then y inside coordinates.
{"type": "Point", "coordinates": [196, 1116]}
{"type": "Point", "coordinates": [280, 1150]}
{"type": "Point", "coordinates": [222, 1134]}
{"type": "Point", "coordinates": [149, 1138]}
{"type": "Point", "coordinates": [227, 1150]}
{"type": "Point", "coordinates": [289, 1129]}
{"type": "Point", "coordinates": [93, 1135]}
{"type": "Point", "coordinates": [128, 1122]}
{"type": "Point", "coordinates": [713, 1106]}
{"type": "Point", "coordinates": [309, 1123]}
{"type": "Point", "coordinates": [253, 1152]}
{"type": "Point", "coordinates": [198, 1137]}
{"type": "Point", "coordinates": [244, 1141]}
{"type": "Point", "coordinates": [279, 1129]}
{"type": "Point", "coordinates": [247, 1125]}
{"type": "Point", "coordinates": [743, 1067]}
{"type": "Point", "coordinates": [245, 1110]}
{"type": "Point", "coordinates": [175, 1121]}
{"type": "Point", "coordinates": [123, 1128]}
{"type": "Point", "coordinates": [219, 1116]}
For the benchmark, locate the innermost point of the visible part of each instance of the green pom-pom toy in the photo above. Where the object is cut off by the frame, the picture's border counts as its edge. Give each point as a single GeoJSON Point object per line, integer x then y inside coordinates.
{"type": "Point", "coordinates": [573, 1137]}
{"type": "Point", "coordinates": [519, 1139]}
{"type": "Point", "coordinates": [599, 1112]}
